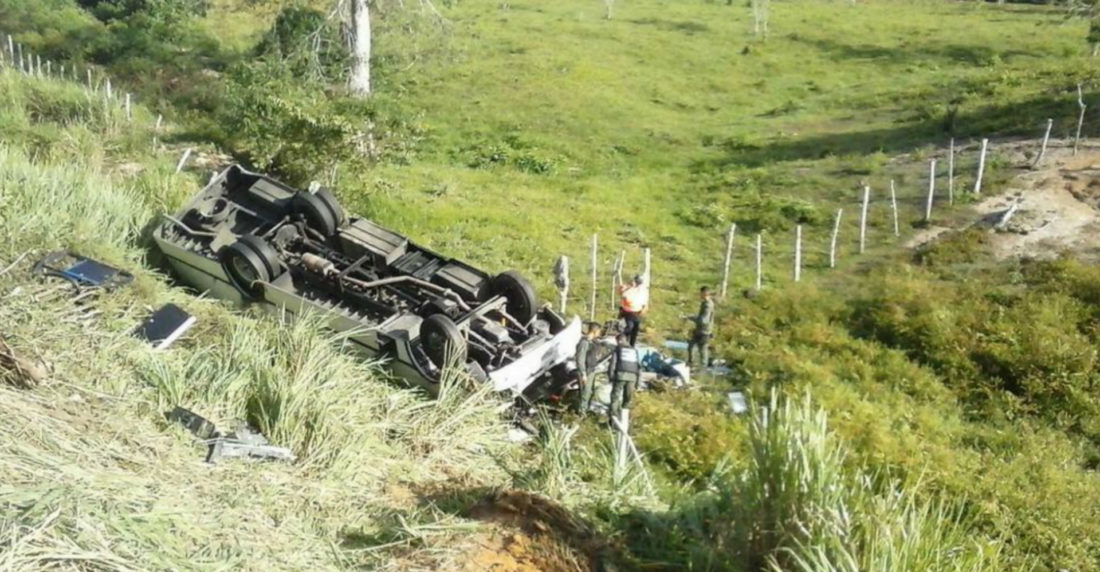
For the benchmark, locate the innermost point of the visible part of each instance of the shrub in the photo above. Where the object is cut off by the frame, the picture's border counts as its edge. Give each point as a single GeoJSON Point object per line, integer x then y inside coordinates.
{"type": "Point", "coordinates": [687, 433]}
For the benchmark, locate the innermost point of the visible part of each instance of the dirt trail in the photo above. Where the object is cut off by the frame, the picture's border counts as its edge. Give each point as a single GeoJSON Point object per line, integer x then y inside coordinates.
{"type": "Point", "coordinates": [1046, 210]}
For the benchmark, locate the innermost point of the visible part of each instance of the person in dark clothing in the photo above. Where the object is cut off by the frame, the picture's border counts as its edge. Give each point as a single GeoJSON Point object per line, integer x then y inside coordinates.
{"type": "Point", "coordinates": [633, 303]}
{"type": "Point", "coordinates": [625, 370]}
{"type": "Point", "coordinates": [701, 332]}
{"type": "Point", "coordinates": [584, 371]}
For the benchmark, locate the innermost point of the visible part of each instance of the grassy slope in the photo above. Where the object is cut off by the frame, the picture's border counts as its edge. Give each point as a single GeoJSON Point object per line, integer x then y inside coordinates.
{"type": "Point", "coordinates": [659, 126]}
{"type": "Point", "coordinates": [94, 478]}
{"type": "Point", "coordinates": [660, 108]}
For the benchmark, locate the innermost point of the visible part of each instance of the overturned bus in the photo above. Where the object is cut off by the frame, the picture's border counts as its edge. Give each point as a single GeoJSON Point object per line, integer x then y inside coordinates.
{"type": "Point", "coordinates": [249, 238]}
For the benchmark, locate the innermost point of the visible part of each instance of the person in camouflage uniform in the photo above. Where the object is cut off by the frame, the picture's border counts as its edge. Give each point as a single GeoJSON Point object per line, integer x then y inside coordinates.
{"type": "Point", "coordinates": [625, 369]}
{"type": "Point", "coordinates": [701, 332]}
{"type": "Point", "coordinates": [584, 371]}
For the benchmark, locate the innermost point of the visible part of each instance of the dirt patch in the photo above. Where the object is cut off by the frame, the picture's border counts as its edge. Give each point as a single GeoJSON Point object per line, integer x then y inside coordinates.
{"type": "Point", "coordinates": [513, 551]}
{"type": "Point", "coordinates": [531, 533]}
{"type": "Point", "coordinates": [1047, 210]}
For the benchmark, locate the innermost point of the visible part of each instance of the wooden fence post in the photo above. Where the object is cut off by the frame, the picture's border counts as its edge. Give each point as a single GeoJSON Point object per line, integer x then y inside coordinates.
{"type": "Point", "coordinates": [1043, 149]}
{"type": "Point", "coordinates": [88, 71]}
{"type": "Point", "coordinates": [39, 68]}
{"type": "Point", "coordinates": [592, 309]}
{"type": "Point", "coordinates": [729, 254]}
{"type": "Point", "coordinates": [981, 168]}
{"type": "Point", "coordinates": [129, 113]}
{"type": "Point", "coordinates": [49, 68]}
{"type": "Point", "coordinates": [11, 49]}
{"type": "Point", "coordinates": [832, 241]}
{"type": "Point", "coordinates": [623, 426]}
{"type": "Point", "coordinates": [797, 253]}
{"type": "Point", "coordinates": [931, 190]}
{"type": "Point", "coordinates": [1080, 119]}
{"type": "Point", "coordinates": [156, 130]}
{"type": "Point", "coordinates": [110, 94]}
{"type": "Point", "coordinates": [951, 173]}
{"type": "Point", "coordinates": [894, 208]}
{"type": "Point", "coordinates": [617, 279]}
{"type": "Point", "coordinates": [863, 219]}
{"type": "Point", "coordinates": [759, 262]}
{"type": "Point", "coordinates": [183, 159]}
{"type": "Point", "coordinates": [561, 280]}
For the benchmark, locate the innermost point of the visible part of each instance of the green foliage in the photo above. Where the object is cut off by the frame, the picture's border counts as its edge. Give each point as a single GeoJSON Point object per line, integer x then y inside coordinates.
{"type": "Point", "coordinates": [957, 247]}
{"type": "Point", "coordinates": [166, 11]}
{"type": "Point", "coordinates": [287, 127]}
{"type": "Point", "coordinates": [308, 45]}
{"type": "Point", "coordinates": [687, 433]}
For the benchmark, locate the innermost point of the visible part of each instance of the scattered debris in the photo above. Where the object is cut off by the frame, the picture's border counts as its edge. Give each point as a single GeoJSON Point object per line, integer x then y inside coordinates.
{"type": "Point", "coordinates": [242, 442]}
{"type": "Point", "coordinates": [165, 326]}
{"type": "Point", "coordinates": [20, 371]}
{"type": "Point", "coordinates": [519, 435]}
{"type": "Point", "coordinates": [676, 345]}
{"type": "Point", "coordinates": [193, 422]}
{"type": "Point", "coordinates": [737, 402]}
{"type": "Point", "coordinates": [82, 272]}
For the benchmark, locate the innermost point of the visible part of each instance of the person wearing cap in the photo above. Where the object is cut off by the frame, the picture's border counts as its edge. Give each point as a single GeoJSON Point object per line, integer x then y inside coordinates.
{"type": "Point", "coordinates": [625, 369]}
{"type": "Point", "coordinates": [633, 303]}
{"type": "Point", "coordinates": [584, 371]}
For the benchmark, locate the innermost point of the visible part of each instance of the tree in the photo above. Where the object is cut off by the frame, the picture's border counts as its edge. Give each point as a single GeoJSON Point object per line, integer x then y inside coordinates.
{"type": "Point", "coordinates": [760, 18]}
{"type": "Point", "coordinates": [1088, 10]}
{"type": "Point", "coordinates": [359, 32]}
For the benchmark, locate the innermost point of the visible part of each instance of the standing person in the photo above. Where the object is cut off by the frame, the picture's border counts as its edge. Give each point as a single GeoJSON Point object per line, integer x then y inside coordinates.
{"type": "Point", "coordinates": [633, 303]}
{"type": "Point", "coordinates": [584, 373]}
{"type": "Point", "coordinates": [700, 334]}
{"type": "Point", "coordinates": [624, 371]}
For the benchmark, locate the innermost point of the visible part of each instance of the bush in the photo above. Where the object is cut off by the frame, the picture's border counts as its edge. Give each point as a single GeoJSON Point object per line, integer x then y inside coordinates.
{"type": "Point", "coordinates": [687, 433]}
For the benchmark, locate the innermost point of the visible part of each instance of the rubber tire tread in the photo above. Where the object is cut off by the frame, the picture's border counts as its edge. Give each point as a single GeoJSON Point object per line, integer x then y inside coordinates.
{"type": "Point", "coordinates": [259, 255]}
{"type": "Point", "coordinates": [522, 302]}
{"type": "Point", "coordinates": [440, 324]}
{"type": "Point", "coordinates": [333, 205]}
{"type": "Point", "coordinates": [317, 213]}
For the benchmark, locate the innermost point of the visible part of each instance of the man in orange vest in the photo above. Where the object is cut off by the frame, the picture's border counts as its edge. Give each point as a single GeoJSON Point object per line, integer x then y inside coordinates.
{"type": "Point", "coordinates": [633, 303]}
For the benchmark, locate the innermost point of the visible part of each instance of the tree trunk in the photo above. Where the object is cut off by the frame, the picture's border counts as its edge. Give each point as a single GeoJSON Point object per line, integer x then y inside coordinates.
{"type": "Point", "coordinates": [359, 83]}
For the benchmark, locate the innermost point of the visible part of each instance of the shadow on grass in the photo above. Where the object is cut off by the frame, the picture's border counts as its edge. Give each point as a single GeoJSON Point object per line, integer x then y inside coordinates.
{"type": "Point", "coordinates": [907, 54]}
{"type": "Point", "coordinates": [1026, 118]}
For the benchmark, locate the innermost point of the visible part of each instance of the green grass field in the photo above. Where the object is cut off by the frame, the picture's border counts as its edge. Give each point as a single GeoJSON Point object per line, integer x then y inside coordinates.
{"type": "Point", "coordinates": [540, 124]}
{"type": "Point", "coordinates": [958, 414]}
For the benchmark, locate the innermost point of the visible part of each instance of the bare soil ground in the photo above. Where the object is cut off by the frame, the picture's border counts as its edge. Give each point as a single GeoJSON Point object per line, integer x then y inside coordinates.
{"type": "Point", "coordinates": [1048, 209]}
{"type": "Point", "coordinates": [532, 534]}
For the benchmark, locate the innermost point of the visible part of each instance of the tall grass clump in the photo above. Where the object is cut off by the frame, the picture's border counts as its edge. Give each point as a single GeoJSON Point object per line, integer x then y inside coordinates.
{"type": "Point", "coordinates": [55, 206]}
{"type": "Point", "coordinates": [798, 505]}
{"type": "Point", "coordinates": [338, 412]}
